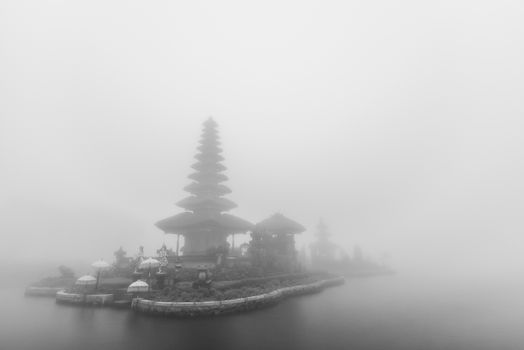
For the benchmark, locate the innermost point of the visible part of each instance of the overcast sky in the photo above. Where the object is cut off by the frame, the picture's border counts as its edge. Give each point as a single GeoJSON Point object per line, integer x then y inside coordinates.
{"type": "Point", "coordinates": [398, 122]}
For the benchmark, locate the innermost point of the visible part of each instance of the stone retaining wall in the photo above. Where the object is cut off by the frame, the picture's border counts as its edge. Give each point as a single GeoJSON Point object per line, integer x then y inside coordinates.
{"type": "Point", "coordinates": [88, 299]}
{"type": "Point", "coordinates": [185, 309]}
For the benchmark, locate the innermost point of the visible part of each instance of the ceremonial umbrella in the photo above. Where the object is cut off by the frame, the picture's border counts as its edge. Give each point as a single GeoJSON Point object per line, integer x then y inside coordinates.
{"type": "Point", "coordinates": [149, 264]}
{"type": "Point", "coordinates": [138, 286]}
{"type": "Point", "coordinates": [85, 281]}
{"type": "Point", "coordinates": [99, 265]}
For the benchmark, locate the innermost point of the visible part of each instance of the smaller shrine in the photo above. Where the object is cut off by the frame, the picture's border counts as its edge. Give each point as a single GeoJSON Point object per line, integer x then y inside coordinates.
{"type": "Point", "coordinates": [273, 243]}
{"type": "Point", "coordinates": [324, 253]}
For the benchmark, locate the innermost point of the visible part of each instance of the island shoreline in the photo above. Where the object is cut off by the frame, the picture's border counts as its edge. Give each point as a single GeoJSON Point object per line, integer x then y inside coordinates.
{"type": "Point", "coordinates": [222, 307]}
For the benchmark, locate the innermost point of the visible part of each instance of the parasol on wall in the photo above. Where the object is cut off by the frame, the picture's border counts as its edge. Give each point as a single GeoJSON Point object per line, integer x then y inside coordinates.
{"type": "Point", "coordinates": [86, 280]}
{"type": "Point", "coordinates": [99, 266]}
{"type": "Point", "coordinates": [138, 287]}
{"type": "Point", "coordinates": [149, 264]}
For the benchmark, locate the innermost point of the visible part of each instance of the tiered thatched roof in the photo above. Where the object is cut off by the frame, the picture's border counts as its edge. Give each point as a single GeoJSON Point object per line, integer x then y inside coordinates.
{"type": "Point", "coordinates": [205, 206]}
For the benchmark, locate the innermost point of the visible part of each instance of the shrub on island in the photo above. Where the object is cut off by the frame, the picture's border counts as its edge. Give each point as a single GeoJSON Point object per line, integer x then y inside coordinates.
{"type": "Point", "coordinates": [236, 289]}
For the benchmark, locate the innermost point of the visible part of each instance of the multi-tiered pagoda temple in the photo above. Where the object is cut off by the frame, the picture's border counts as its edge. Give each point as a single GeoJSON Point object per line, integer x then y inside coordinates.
{"type": "Point", "coordinates": [204, 225]}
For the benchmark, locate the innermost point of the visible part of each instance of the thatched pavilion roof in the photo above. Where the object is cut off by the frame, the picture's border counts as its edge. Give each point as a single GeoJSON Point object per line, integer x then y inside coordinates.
{"type": "Point", "coordinates": [280, 225]}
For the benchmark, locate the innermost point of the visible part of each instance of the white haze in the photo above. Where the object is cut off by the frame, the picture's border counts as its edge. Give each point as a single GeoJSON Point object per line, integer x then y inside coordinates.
{"type": "Point", "coordinates": [398, 122]}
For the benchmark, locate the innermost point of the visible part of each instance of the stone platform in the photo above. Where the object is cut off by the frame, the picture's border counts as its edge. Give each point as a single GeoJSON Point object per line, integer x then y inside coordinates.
{"type": "Point", "coordinates": [84, 299]}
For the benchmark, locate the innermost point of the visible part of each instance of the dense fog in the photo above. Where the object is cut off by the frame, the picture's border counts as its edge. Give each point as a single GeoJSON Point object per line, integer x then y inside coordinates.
{"type": "Point", "coordinates": [398, 123]}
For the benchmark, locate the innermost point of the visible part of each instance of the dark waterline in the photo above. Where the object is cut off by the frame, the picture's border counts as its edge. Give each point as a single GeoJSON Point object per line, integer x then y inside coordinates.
{"type": "Point", "coordinates": [390, 312]}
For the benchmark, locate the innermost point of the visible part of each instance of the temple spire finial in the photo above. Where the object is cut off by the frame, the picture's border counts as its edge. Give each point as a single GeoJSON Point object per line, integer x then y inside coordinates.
{"type": "Point", "coordinates": [210, 122]}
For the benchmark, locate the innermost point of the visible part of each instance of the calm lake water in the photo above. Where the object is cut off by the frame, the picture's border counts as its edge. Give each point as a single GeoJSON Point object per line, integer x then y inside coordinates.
{"type": "Point", "coordinates": [391, 312]}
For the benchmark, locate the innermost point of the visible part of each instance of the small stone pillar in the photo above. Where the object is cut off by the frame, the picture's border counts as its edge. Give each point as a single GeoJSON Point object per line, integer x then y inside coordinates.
{"type": "Point", "coordinates": [160, 279]}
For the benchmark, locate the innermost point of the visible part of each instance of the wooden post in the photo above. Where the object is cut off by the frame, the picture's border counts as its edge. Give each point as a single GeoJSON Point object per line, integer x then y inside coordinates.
{"type": "Point", "coordinates": [97, 279]}
{"type": "Point", "coordinates": [149, 279]}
